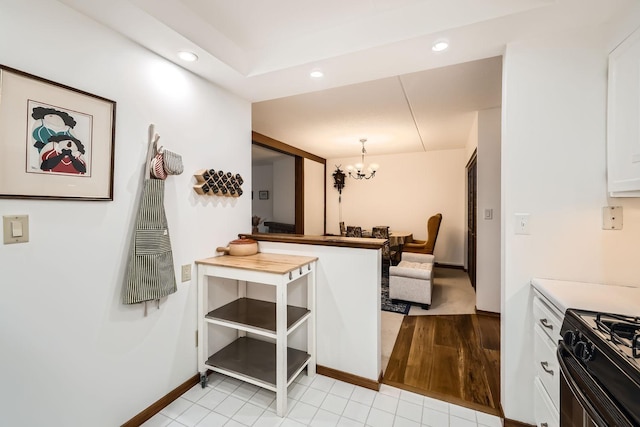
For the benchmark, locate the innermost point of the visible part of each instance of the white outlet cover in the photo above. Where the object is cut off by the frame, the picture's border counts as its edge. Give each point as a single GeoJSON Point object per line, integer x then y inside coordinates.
{"type": "Point", "coordinates": [186, 272]}
{"type": "Point", "coordinates": [612, 218]}
{"type": "Point", "coordinates": [521, 224]}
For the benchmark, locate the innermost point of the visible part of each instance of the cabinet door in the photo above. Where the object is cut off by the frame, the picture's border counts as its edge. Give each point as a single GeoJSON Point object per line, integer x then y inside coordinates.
{"type": "Point", "coordinates": [545, 413]}
{"type": "Point", "coordinates": [547, 368]}
{"type": "Point", "coordinates": [623, 123]}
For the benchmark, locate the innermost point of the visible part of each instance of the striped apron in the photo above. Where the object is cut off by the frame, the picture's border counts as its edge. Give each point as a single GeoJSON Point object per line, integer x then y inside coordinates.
{"type": "Point", "coordinates": [150, 273]}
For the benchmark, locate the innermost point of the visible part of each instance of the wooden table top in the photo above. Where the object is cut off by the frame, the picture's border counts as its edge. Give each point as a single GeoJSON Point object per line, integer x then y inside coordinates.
{"type": "Point", "coordinates": [400, 233]}
{"type": "Point", "coordinates": [269, 263]}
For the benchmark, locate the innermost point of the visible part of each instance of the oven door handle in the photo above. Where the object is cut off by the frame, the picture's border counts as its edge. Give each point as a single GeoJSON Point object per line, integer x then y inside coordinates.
{"type": "Point", "coordinates": [604, 417]}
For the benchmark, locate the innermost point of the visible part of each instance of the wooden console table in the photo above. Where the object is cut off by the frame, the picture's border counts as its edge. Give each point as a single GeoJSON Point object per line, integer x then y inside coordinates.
{"type": "Point", "coordinates": [268, 364]}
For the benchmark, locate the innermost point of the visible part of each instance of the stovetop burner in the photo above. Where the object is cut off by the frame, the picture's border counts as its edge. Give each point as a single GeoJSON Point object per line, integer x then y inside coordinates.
{"type": "Point", "coordinates": [622, 330]}
{"type": "Point", "coordinates": [608, 346]}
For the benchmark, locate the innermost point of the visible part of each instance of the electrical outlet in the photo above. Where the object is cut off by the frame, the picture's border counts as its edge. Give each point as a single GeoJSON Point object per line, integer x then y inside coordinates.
{"type": "Point", "coordinates": [186, 272]}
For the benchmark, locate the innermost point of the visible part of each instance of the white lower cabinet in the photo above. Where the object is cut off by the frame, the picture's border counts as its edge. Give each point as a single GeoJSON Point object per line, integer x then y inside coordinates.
{"type": "Point", "coordinates": [547, 368]}
{"type": "Point", "coordinates": [546, 413]}
{"type": "Point", "coordinates": [546, 333]}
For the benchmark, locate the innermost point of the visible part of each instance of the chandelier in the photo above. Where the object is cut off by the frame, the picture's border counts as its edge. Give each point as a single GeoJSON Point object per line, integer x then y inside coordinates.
{"type": "Point", "coordinates": [357, 171]}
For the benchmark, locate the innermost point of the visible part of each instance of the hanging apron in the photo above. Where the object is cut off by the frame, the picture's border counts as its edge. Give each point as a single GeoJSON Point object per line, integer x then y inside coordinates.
{"type": "Point", "coordinates": [150, 273]}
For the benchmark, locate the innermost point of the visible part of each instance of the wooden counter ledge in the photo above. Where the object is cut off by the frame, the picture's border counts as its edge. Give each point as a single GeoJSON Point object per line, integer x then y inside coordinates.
{"type": "Point", "coordinates": [349, 242]}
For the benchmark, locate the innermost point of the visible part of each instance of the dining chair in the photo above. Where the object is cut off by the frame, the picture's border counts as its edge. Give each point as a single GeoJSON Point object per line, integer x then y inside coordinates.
{"type": "Point", "coordinates": [389, 253]}
{"type": "Point", "coordinates": [353, 231]}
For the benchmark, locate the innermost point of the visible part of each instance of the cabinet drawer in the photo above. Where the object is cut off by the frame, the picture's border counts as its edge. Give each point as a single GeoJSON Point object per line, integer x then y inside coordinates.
{"type": "Point", "coordinates": [546, 362]}
{"type": "Point", "coordinates": [549, 319]}
{"type": "Point", "coordinates": [546, 415]}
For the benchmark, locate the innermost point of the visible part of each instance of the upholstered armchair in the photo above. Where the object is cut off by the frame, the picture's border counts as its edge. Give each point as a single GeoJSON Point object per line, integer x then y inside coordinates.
{"type": "Point", "coordinates": [426, 246]}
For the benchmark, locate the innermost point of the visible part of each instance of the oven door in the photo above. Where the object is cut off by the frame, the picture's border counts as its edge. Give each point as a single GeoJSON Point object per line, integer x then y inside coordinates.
{"type": "Point", "coordinates": [582, 401]}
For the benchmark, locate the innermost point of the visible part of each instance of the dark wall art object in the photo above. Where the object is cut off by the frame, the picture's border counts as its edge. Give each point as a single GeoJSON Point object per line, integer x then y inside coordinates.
{"type": "Point", "coordinates": [338, 179]}
{"type": "Point", "coordinates": [339, 182]}
{"type": "Point", "coordinates": [56, 142]}
{"type": "Point", "coordinates": [263, 195]}
{"type": "Point", "coordinates": [211, 182]}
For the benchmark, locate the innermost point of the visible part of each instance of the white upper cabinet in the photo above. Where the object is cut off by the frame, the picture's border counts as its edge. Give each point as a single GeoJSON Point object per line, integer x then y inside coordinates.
{"type": "Point", "coordinates": [623, 119]}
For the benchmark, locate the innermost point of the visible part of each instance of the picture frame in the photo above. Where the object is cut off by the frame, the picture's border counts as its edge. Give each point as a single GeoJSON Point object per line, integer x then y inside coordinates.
{"type": "Point", "coordinates": [263, 195]}
{"type": "Point", "coordinates": [56, 142]}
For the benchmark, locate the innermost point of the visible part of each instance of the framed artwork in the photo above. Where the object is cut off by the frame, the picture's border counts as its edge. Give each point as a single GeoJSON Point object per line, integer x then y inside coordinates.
{"type": "Point", "coordinates": [56, 142]}
{"type": "Point", "coordinates": [263, 195]}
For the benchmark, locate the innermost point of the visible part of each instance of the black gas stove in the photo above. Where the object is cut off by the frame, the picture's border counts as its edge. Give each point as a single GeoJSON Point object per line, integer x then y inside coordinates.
{"type": "Point", "coordinates": [600, 363]}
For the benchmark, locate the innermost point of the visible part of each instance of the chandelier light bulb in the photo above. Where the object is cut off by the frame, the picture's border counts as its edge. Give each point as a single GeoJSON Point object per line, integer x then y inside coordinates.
{"type": "Point", "coordinates": [358, 173]}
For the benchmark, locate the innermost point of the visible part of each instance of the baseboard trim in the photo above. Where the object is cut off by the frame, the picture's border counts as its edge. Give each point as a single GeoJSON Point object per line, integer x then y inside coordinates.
{"type": "Point", "coordinates": [487, 313]}
{"type": "Point", "coordinates": [161, 403]}
{"type": "Point", "coordinates": [348, 378]}
{"type": "Point", "coordinates": [512, 423]}
{"type": "Point", "coordinates": [454, 266]}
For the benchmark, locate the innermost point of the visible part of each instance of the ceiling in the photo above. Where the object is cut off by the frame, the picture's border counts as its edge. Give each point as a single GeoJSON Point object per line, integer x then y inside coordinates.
{"type": "Point", "coordinates": [381, 79]}
{"type": "Point", "coordinates": [428, 110]}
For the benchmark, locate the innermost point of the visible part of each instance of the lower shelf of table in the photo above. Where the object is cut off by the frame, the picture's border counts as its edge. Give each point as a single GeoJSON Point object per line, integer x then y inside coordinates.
{"type": "Point", "coordinates": [256, 360]}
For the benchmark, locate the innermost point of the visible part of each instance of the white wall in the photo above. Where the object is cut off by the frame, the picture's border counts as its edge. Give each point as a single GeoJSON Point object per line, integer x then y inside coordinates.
{"type": "Point", "coordinates": [406, 191]}
{"type": "Point", "coordinates": [314, 189]}
{"type": "Point", "coordinates": [262, 179]}
{"type": "Point", "coordinates": [488, 230]}
{"type": "Point", "coordinates": [472, 140]}
{"type": "Point", "coordinates": [348, 301]}
{"type": "Point", "coordinates": [72, 353]}
{"type": "Point", "coordinates": [553, 167]}
{"type": "Point", "coordinates": [284, 190]}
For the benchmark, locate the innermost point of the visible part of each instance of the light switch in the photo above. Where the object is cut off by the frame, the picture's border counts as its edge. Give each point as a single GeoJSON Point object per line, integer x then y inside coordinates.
{"type": "Point", "coordinates": [522, 223]}
{"type": "Point", "coordinates": [15, 228]}
{"type": "Point", "coordinates": [488, 214]}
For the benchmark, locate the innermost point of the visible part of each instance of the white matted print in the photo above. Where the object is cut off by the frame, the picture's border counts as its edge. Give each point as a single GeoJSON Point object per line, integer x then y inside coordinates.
{"type": "Point", "coordinates": [56, 142]}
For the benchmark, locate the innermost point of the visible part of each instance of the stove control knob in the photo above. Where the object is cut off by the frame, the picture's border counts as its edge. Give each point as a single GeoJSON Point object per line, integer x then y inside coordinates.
{"type": "Point", "coordinates": [569, 338]}
{"type": "Point", "coordinates": [583, 351]}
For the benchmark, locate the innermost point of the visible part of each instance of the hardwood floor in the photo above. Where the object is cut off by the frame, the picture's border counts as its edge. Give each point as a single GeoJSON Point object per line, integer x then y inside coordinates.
{"type": "Point", "coordinates": [455, 358]}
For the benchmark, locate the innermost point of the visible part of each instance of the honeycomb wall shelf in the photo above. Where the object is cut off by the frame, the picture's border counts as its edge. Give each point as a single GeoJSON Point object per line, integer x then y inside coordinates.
{"type": "Point", "coordinates": [210, 182]}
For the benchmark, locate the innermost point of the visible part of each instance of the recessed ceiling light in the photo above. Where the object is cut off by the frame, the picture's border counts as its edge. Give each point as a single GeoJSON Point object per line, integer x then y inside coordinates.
{"type": "Point", "coordinates": [187, 56]}
{"type": "Point", "coordinates": [440, 45]}
{"type": "Point", "coordinates": [316, 74]}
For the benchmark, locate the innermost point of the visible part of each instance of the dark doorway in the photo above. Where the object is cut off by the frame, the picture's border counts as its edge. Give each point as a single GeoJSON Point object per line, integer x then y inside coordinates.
{"type": "Point", "coordinates": [472, 195]}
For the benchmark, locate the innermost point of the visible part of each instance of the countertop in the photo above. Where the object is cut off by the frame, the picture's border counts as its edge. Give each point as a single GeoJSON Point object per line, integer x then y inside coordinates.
{"type": "Point", "coordinates": [349, 242]}
{"type": "Point", "coordinates": [269, 263]}
{"type": "Point", "coordinates": [589, 296]}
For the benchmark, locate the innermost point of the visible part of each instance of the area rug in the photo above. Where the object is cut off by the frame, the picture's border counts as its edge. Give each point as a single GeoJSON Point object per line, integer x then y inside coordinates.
{"type": "Point", "coordinates": [452, 293]}
{"type": "Point", "coordinates": [386, 304]}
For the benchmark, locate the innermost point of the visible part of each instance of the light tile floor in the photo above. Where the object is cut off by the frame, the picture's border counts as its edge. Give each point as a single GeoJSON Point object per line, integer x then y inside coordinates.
{"type": "Point", "coordinates": [317, 401]}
